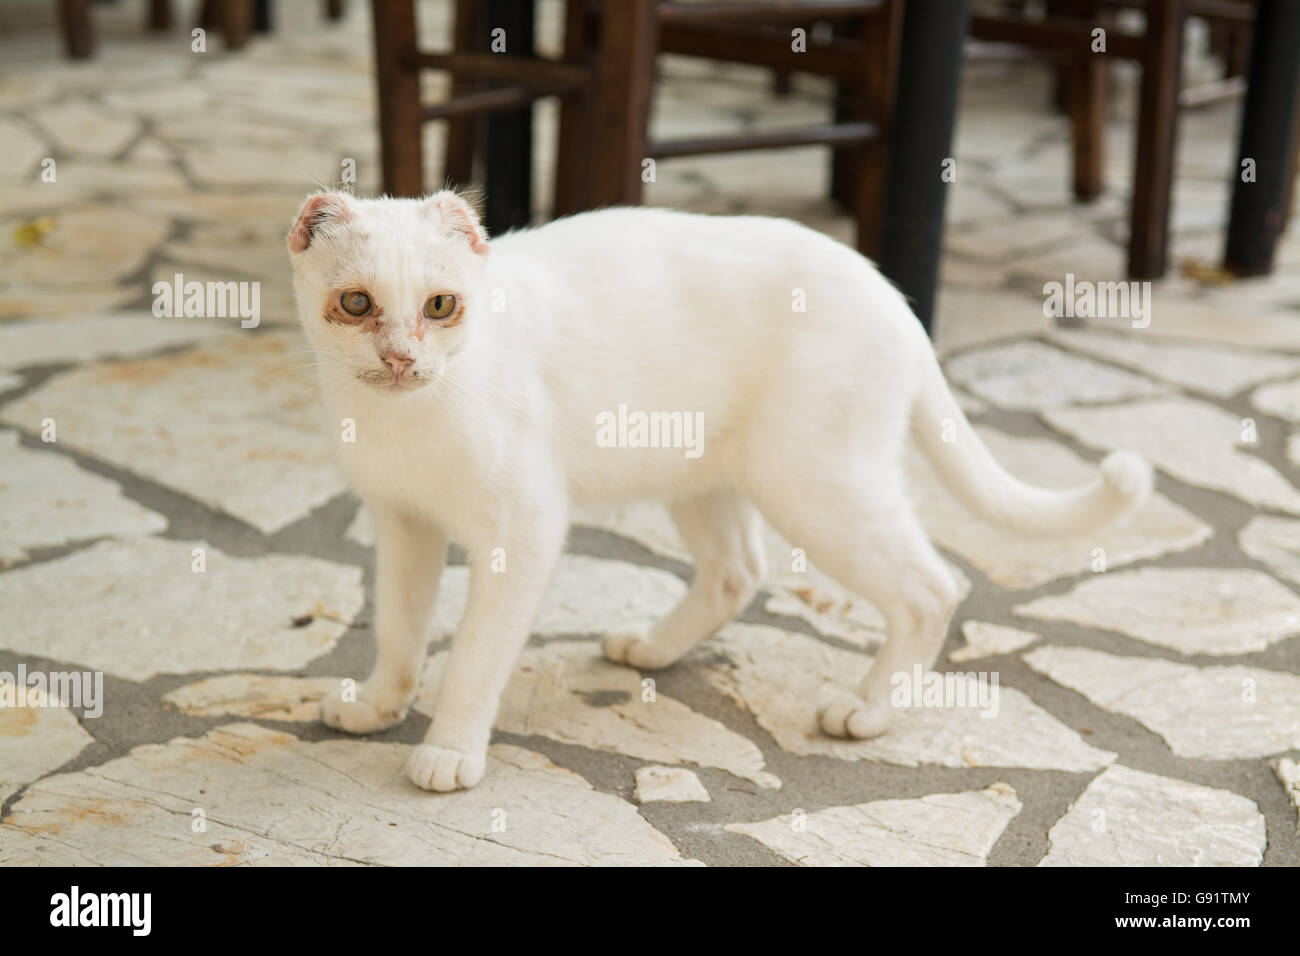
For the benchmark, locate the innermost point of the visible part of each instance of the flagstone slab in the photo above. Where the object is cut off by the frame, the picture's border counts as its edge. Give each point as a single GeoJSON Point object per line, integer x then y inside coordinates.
{"type": "Point", "coordinates": [23, 300]}
{"type": "Point", "coordinates": [1130, 818]}
{"type": "Point", "coordinates": [1275, 542]}
{"type": "Point", "coordinates": [1215, 713]}
{"type": "Point", "coordinates": [1030, 376]}
{"type": "Point", "coordinates": [942, 829]}
{"type": "Point", "coordinates": [1015, 561]}
{"type": "Point", "coordinates": [566, 691]}
{"type": "Point", "coordinates": [135, 608]}
{"type": "Point", "coordinates": [1174, 318]}
{"type": "Point", "coordinates": [265, 697]}
{"type": "Point", "coordinates": [585, 596]}
{"type": "Point", "coordinates": [1288, 774]}
{"type": "Point", "coordinates": [780, 678]}
{"type": "Point", "coordinates": [1216, 611]}
{"type": "Point", "coordinates": [990, 640]}
{"type": "Point", "coordinates": [86, 246]}
{"type": "Point", "coordinates": [233, 423]}
{"type": "Point", "coordinates": [1215, 370]}
{"type": "Point", "coordinates": [270, 799]}
{"type": "Point", "coordinates": [669, 785]}
{"type": "Point", "coordinates": [35, 739]}
{"type": "Point", "coordinates": [46, 499]}
{"type": "Point", "coordinates": [77, 127]}
{"type": "Point", "coordinates": [23, 151]}
{"type": "Point", "coordinates": [23, 344]}
{"type": "Point", "coordinates": [1280, 399]}
{"type": "Point", "coordinates": [1193, 441]}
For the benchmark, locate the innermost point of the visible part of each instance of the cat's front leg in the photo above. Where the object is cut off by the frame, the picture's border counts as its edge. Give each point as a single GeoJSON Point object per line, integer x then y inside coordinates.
{"type": "Point", "coordinates": [503, 602]}
{"type": "Point", "coordinates": [410, 554]}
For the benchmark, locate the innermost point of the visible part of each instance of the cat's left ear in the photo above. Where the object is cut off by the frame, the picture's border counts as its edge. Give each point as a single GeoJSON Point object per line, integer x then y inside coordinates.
{"type": "Point", "coordinates": [459, 218]}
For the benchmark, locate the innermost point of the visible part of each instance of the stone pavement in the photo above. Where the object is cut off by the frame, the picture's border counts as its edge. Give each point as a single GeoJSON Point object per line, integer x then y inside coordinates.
{"type": "Point", "coordinates": [170, 517]}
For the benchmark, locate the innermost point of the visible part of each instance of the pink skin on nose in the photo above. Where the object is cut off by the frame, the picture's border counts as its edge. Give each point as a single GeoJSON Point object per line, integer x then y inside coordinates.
{"type": "Point", "coordinates": [398, 364]}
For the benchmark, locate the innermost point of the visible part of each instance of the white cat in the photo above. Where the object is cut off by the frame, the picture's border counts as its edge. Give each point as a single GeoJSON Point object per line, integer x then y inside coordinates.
{"type": "Point", "coordinates": [479, 376]}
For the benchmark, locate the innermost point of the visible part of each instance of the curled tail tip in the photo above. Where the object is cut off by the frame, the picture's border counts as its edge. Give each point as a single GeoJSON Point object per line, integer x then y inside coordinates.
{"type": "Point", "coordinates": [1129, 476]}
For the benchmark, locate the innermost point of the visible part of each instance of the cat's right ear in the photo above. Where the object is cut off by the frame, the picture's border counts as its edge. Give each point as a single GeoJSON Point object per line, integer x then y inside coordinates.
{"type": "Point", "coordinates": [315, 212]}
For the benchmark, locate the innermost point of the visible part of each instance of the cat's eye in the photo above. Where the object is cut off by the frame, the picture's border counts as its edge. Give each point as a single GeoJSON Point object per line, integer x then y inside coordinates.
{"type": "Point", "coordinates": [440, 306]}
{"type": "Point", "coordinates": [355, 303]}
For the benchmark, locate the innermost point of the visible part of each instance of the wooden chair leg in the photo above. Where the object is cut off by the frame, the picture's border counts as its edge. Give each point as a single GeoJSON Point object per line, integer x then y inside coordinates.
{"type": "Point", "coordinates": [508, 157]}
{"type": "Point", "coordinates": [1157, 128]}
{"type": "Point", "coordinates": [333, 9]}
{"type": "Point", "coordinates": [850, 104]}
{"type": "Point", "coordinates": [463, 132]}
{"type": "Point", "coordinates": [78, 34]}
{"type": "Point", "coordinates": [402, 155]}
{"type": "Point", "coordinates": [882, 35]}
{"type": "Point", "coordinates": [1086, 82]}
{"type": "Point", "coordinates": [624, 81]}
{"type": "Point", "coordinates": [160, 15]}
{"type": "Point", "coordinates": [236, 22]}
{"type": "Point", "coordinates": [574, 148]}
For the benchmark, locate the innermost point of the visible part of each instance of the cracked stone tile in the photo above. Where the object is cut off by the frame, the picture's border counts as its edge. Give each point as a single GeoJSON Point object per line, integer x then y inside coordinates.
{"type": "Point", "coordinates": [23, 344]}
{"type": "Point", "coordinates": [1216, 611]}
{"type": "Point", "coordinates": [669, 785]}
{"type": "Point", "coordinates": [942, 829]}
{"type": "Point", "coordinates": [1275, 542]}
{"type": "Point", "coordinates": [1030, 376]}
{"type": "Point", "coordinates": [233, 424]}
{"type": "Point", "coordinates": [270, 799]}
{"type": "Point", "coordinates": [1130, 818]}
{"type": "Point", "coordinates": [23, 300]}
{"type": "Point", "coordinates": [586, 596]}
{"type": "Point", "coordinates": [87, 246]}
{"type": "Point", "coordinates": [1217, 713]}
{"type": "Point", "coordinates": [47, 499]}
{"type": "Point", "coordinates": [1224, 323]}
{"type": "Point", "coordinates": [990, 640]}
{"type": "Point", "coordinates": [361, 529]}
{"type": "Point", "coordinates": [23, 151]}
{"type": "Point", "coordinates": [966, 318]}
{"type": "Point", "coordinates": [135, 608]}
{"type": "Point", "coordinates": [93, 181]}
{"type": "Point", "coordinates": [566, 691]}
{"type": "Point", "coordinates": [1014, 561]}
{"type": "Point", "coordinates": [1288, 774]}
{"type": "Point", "coordinates": [80, 128]}
{"type": "Point", "coordinates": [1003, 237]}
{"type": "Point", "coordinates": [292, 699]}
{"type": "Point", "coordinates": [1281, 400]}
{"type": "Point", "coordinates": [779, 677]}
{"type": "Point", "coordinates": [1193, 441]}
{"type": "Point", "coordinates": [1086, 257]}
{"type": "Point", "coordinates": [36, 738]}
{"type": "Point", "coordinates": [1214, 370]}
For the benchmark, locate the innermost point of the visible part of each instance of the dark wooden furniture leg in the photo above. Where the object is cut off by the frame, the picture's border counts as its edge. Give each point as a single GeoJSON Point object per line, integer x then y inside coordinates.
{"type": "Point", "coordinates": [572, 159]}
{"type": "Point", "coordinates": [508, 175]}
{"type": "Point", "coordinates": [1153, 177]}
{"type": "Point", "coordinates": [463, 131]}
{"type": "Point", "coordinates": [236, 22]}
{"type": "Point", "coordinates": [1086, 100]}
{"type": "Point", "coordinates": [929, 80]}
{"type": "Point", "coordinates": [881, 39]}
{"type": "Point", "coordinates": [623, 83]}
{"type": "Point", "coordinates": [78, 35]}
{"type": "Point", "coordinates": [160, 15]}
{"type": "Point", "coordinates": [334, 9]}
{"type": "Point", "coordinates": [1268, 133]}
{"type": "Point", "coordinates": [399, 97]}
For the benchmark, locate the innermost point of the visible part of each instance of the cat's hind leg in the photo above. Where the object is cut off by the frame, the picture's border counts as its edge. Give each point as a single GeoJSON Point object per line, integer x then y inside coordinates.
{"type": "Point", "coordinates": [723, 534]}
{"type": "Point", "coordinates": [865, 534]}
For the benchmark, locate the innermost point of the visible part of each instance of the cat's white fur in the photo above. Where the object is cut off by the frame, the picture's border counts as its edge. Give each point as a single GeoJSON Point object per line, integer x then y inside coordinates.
{"type": "Point", "coordinates": [491, 433]}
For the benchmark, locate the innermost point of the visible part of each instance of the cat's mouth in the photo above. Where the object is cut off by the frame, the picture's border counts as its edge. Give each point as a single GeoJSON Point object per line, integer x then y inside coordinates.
{"type": "Point", "coordinates": [383, 380]}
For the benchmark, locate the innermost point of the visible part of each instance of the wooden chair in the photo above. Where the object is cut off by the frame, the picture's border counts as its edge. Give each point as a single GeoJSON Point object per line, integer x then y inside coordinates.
{"type": "Point", "coordinates": [605, 80]}
{"type": "Point", "coordinates": [1065, 34]}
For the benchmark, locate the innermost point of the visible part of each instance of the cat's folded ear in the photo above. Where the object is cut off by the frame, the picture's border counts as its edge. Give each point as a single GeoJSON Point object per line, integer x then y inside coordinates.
{"type": "Point", "coordinates": [459, 218]}
{"type": "Point", "coordinates": [316, 212]}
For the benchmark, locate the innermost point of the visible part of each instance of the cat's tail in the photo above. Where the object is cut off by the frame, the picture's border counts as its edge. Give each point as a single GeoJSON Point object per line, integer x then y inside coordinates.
{"type": "Point", "coordinates": [970, 471]}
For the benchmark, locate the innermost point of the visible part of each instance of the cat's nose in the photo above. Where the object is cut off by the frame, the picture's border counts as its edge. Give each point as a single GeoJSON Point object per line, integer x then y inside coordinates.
{"type": "Point", "coordinates": [398, 363]}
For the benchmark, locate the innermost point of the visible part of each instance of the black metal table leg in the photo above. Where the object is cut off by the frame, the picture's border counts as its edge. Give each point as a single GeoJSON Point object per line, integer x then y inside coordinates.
{"type": "Point", "coordinates": [509, 155]}
{"type": "Point", "coordinates": [1268, 126]}
{"type": "Point", "coordinates": [929, 82]}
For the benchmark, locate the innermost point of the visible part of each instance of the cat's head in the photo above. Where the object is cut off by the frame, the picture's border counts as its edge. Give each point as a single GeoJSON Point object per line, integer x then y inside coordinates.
{"type": "Point", "coordinates": [386, 287]}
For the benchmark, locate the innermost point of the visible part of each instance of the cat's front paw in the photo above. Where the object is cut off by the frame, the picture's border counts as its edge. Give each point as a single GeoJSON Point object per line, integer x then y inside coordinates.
{"type": "Point", "coordinates": [635, 651]}
{"type": "Point", "coordinates": [846, 715]}
{"type": "Point", "coordinates": [440, 769]}
{"type": "Point", "coordinates": [366, 714]}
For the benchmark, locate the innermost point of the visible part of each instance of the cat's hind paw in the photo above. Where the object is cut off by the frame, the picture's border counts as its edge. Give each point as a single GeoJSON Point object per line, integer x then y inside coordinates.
{"type": "Point", "coordinates": [845, 715]}
{"type": "Point", "coordinates": [359, 716]}
{"type": "Point", "coordinates": [635, 651]}
{"type": "Point", "coordinates": [440, 769]}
